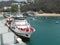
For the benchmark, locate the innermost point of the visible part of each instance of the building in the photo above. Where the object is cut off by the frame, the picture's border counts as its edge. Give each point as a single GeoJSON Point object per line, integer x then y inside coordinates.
{"type": "Point", "coordinates": [11, 0]}
{"type": "Point", "coordinates": [7, 7]}
{"type": "Point", "coordinates": [6, 3]}
{"type": "Point", "coordinates": [30, 1]}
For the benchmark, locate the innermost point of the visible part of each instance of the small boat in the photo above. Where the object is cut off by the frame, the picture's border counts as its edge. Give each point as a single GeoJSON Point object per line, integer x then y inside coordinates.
{"type": "Point", "coordinates": [6, 15]}
{"type": "Point", "coordinates": [57, 22]}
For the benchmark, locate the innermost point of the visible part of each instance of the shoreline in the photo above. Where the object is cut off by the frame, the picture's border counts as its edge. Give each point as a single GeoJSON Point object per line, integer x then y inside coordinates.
{"type": "Point", "coordinates": [47, 14]}
{"type": "Point", "coordinates": [43, 14]}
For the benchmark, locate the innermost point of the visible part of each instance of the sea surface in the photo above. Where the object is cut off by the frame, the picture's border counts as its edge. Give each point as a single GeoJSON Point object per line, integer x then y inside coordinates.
{"type": "Point", "coordinates": [47, 30]}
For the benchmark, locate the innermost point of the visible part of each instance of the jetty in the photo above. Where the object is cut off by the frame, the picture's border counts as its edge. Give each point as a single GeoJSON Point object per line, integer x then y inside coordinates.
{"type": "Point", "coordinates": [8, 37]}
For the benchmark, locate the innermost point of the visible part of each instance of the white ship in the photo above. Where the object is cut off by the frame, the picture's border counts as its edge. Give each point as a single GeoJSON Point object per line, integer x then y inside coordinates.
{"type": "Point", "coordinates": [21, 26]}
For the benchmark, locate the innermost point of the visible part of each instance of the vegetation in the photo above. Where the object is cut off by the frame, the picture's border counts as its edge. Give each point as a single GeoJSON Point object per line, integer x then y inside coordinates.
{"type": "Point", "coordinates": [12, 9]}
{"type": "Point", "coordinates": [48, 6]}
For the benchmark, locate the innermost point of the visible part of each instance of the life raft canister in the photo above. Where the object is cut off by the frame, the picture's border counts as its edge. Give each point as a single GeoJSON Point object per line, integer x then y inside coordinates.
{"type": "Point", "coordinates": [31, 30]}
{"type": "Point", "coordinates": [26, 29]}
{"type": "Point", "coordinates": [22, 29]}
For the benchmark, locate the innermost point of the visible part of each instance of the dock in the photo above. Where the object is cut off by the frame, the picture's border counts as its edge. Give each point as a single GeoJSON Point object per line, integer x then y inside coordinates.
{"type": "Point", "coordinates": [8, 37]}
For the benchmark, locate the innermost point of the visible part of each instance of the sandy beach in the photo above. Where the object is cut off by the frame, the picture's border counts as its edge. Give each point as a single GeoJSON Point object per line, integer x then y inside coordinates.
{"type": "Point", "coordinates": [43, 14]}
{"type": "Point", "coordinates": [47, 14]}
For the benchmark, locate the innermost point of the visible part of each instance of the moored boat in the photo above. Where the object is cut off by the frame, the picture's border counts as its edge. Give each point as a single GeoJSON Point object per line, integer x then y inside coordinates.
{"type": "Point", "coordinates": [21, 26]}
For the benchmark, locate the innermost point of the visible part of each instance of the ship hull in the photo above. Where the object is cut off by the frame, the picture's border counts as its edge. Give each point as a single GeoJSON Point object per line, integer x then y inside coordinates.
{"type": "Point", "coordinates": [24, 35]}
{"type": "Point", "coordinates": [24, 38]}
{"type": "Point", "coordinates": [20, 36]}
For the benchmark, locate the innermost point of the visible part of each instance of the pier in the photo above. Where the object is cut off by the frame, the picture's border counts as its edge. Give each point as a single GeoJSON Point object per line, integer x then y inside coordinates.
{"type": "Point", "coordinates": [7, 37]}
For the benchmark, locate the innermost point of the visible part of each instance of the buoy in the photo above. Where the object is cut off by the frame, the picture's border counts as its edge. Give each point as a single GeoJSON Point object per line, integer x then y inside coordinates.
{"type": "Point", "coordinates": [33, 18]}
{"type": "Point", "coordinates": [57, 22]}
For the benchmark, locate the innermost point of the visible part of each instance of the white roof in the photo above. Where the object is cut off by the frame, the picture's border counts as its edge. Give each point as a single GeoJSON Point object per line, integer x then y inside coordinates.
{"type": "Point", "coordinates": [22, 24]}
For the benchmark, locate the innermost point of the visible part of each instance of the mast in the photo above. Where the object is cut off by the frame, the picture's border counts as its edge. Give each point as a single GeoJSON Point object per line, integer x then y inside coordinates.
{"type": "Point", "coordinates": [18, 4]}
{"type": "Point", "coordinates": [19, 12]}
{"type": "Point", "coordinates": [19, 9]}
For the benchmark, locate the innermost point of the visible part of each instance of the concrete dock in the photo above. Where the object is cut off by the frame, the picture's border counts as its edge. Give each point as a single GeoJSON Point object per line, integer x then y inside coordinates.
{"type": "Point", "coordinates": [6, 37]}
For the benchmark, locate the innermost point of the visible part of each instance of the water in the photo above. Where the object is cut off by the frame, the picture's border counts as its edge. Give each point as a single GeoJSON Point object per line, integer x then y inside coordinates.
{"type": "Point", "coordinates": [47, 31]}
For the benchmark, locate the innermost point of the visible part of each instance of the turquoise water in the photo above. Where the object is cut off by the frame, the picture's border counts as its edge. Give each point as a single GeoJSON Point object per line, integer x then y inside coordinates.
{"type": "Point", "coordinates": [1, 18]}
{"type": "Point", "coordinates": [47, 31]}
